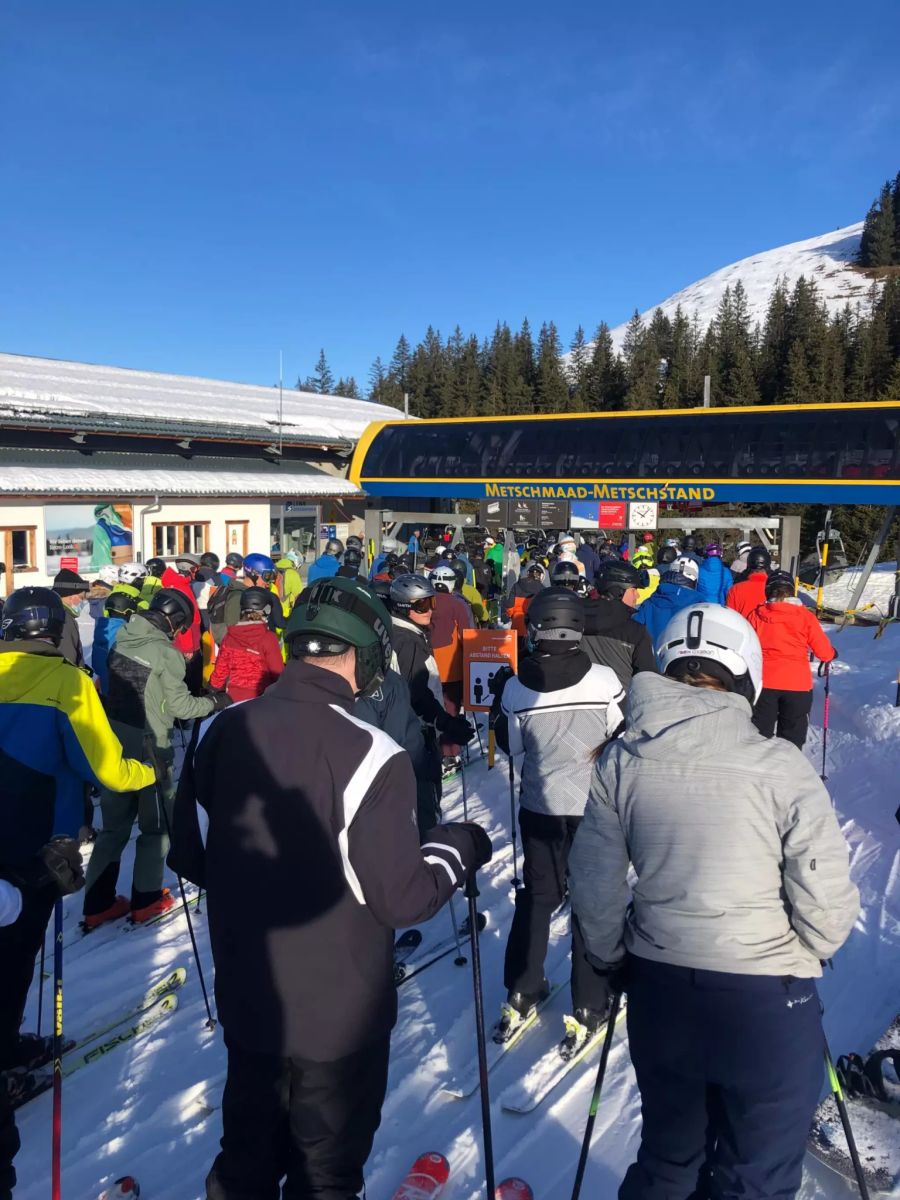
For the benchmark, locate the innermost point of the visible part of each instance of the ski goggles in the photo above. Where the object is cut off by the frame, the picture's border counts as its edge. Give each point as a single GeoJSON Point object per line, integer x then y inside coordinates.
{"type": "Point", "coordinates": [426, 604]}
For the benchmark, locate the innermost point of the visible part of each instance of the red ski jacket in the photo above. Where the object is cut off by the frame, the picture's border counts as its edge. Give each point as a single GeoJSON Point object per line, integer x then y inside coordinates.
{"type": "Point", "coordinates": [749, 595]}
{"type": "Point", "coordinates": [787, 632]}
{"type": "Point", "coordinates": [189, 641]}
{"type": "Point", "coordinates": [249, 659]}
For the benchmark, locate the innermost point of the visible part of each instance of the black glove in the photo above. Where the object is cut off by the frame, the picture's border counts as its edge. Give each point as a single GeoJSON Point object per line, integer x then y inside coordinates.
{"type": "Point", "coordinates": [612, 973]}
{"type": "Point", "coordinates": [469, 841]}
{"type": "Point", "coordinates": [220, 700]}
{"type": "Point", "coordinates": [63, 866]}
{"type": "Point", "coordinates": [498, 683]}
{"type": "Point", "coordinates": [455, 729]}
{"type": "Point", "coordinates": [824, 665]}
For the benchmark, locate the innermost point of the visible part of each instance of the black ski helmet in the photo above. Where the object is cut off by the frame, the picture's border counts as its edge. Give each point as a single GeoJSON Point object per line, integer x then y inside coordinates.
{"type": "Point", "coordinates": [555, 615]}
{"type": "Point", "coordinates": [175, 607]}
{"type": "Point", "coordinates": [665, 557]}
{"type": "Point", "coordinates": [120, 604]}
{"type": "Point", "coordinates": [234, 560]}
{"type": "Point", "coordinates": [615, 578]}
{"type": "Point", "coordinates": [381, 586]}
{"type": "Point", "coordinates": [156, 567]}
{"type": "Point", "coordinates": [779, 581]}
{"type": "Point", "coordinates": [210, 561]}
{"type": "Point", "coordinates": [33, 612]}
{"type": "Point", "coordinates": [354, 542]}
{"type": "Point", "coordinates": [565, 574]}
{"type": "Point", "coordinates": [758, 559]}
{"type": "Point", "coordinates": [256, 599]}
{"type": "Point", "coordinates": [335, 614]}
{"type": "Point", "coordinates": [689, 543]}
{"type": "Point", "coordinates": [334, 547]}
{"type": "Point", "coordinates": [352, 556]}
{"type": "Point", "coordinates": [459, 570]}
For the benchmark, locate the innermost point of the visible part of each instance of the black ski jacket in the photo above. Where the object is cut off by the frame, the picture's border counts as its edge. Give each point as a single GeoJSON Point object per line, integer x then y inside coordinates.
{"type": "Point", "coordinates": [311, 859]}
{"type": "Point", "coordinates": [613, 639]}
{"type": "Point", "coordinates": [414, 660]}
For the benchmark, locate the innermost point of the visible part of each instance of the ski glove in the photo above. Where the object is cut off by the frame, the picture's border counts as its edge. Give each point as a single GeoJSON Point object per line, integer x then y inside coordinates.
{"type": "Point", "coordinates": [498, 683]}
{"type": "Point", "coordinates": [823, 666]}
{"type": "Point", "coordinates": [62, 860]}
{"type": "Point", "coordinates": [612, 973]}
{"type": "Point", "coordinates": [464, 841]}
{"type": "Point", "coordinates": [455, 729]}
{"type": "Point", "coordinates": [220, 701]}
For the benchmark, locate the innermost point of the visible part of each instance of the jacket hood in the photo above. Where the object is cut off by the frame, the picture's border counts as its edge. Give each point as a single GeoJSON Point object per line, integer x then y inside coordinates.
{"type": "Point", "coordinates": [44, 659]}
{"type": "Point", "coordinates": [140, 632]}
{"type": "Point", "coordinates": [781, 612]}
{"type": "Point", "coordinates": [528, 587]}
{"type": "Point", "coordinates": [671, 596]}
{"type": "Point", "coordinates": [249, 633]}
{"type": "Point", "coordinates": [553, 672]}
{"type": "Point", "coordinates": [601, 616]}
{"type": "Point", "coordinates": [673, 721]}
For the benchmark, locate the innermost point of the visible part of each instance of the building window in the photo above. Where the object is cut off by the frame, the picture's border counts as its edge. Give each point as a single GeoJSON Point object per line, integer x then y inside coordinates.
{"type": "Point", "coordinates": [236, 537]}
{"type": "Point", "coordinates": [18, 547]}
{"type": "Point", "coordinates": [170, 540]}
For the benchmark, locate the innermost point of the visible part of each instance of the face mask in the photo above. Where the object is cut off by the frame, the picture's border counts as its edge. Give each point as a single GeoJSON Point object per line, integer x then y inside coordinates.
{"type": "Point", "coordinates": [79, 607]}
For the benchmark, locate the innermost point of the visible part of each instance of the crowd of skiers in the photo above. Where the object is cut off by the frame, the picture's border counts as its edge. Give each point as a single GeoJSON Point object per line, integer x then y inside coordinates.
{"type": "Point", "coordinates": [642, 716]}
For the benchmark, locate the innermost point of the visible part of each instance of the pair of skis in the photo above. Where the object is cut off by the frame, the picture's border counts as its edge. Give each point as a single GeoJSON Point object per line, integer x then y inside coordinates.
{"type": "Point", "coordinates": [429, 1174]}
{"type": "Point", "coordinates": [156, 1004]}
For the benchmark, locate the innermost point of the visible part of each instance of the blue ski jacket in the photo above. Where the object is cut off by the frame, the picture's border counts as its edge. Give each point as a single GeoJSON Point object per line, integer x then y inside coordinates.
{"type": "Point", "coordinates": [715, 581]}
{"type": "Point", "coordinates": [105, 633]}
{"type": "Point", "coordinates": [657, 611]}
{"type": "Point", "coordinates": [324, 567]}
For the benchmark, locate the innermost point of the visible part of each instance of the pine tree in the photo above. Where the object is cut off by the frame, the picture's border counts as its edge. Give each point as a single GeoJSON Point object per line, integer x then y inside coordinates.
{"type": "Point", "coordinates": [891, 388]}
{"type": "Point", "coordinates": [644, 367]}
{"type": "Point", "coordinates": [683, 387]}
{"type": "Point", "coordinates": [634, 337]}
{"type": "Point", "coordinates": [604, 376]}
{"type": "Point", "coordinates": [896, 199]}
{"type": "Point", "coordinates": [347, 387]}
{"type": "Point", "coordinates": [377, 381]}
{"type": "Point", "coordinates": [877, 245]}
{"type": "Point", "coordinates": [400, 361]}
{"type": "Point", "coordinates": [578, 368]}
{"type": "Point", "coordinates": [774, 345]}
{"type": "Point", "coordinates": [552, 391]}
{"type": "Point", "coordinates": [324, 380]}
{"type": "Point", "coordinates": [798, 386]}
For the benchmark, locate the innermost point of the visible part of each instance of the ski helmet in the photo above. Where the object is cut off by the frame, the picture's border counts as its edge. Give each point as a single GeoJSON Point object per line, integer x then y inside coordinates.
{"type": "Point", "coordinates": [410, 590]}
{"type": "Point", "coordinates": [744, 547]}
{"type": "Point", "coordinates": [647, 537]}
{"type": "Point", "coordinates": [688, 568]}
{"type": "Point", "coordinates": [234, 560]}
{"type": "Point", "coordinates": [186, 564]}
{"type": "Point", "coordinates": [689, 543]}
{"type": "Point", "coordinates": [259, 564]}
{"type": "Point", "coordinates": [565, 574]}
{"type": "Point", "coordinates": [758, 559]}
{"type": "Point", "coordinates": [335, 547]}
{"type": "Point", "coordinates": [780, 581]}
{"type": "Point", "coordinates": [132, 572]}
{"type": "Point", "coordinates": [352, 556]}
{"type": "Point", "coordinates": [673, 542]}
{"type": "Point", "coordinates": [210, 561]}
{"type": "Point", "coordinates": [354, 541]}
{"type": "Point", "coordinates": [567, 542]}
{"type": "Point", "coordinates": [713, 550]}
{"type": "Point", "coordinates": [156, 567]}
{"type": "Point", "coordinates": [443, 577]}
{"type": "Point", "coordinates": [336, 614]}
{"type": "Point", "coordinates": [33, 612]}
{"type": "Point", "coordinates": [389, 545]}
{"type": "Point", "coordinates": [458, 567]}
{"type": "Point", "coordinates": [175, 607]}
{"type": "Point", "coordinates": [666, 557]}
{"type": "Point", "coordinates": [120, 604]}
{"type": "Point", "coordinates": [709, 639]}
{"type": "Point", "coordinates": [256, 599]}
{"type": "Point", "coordinates": [555, 615]}
{"type": "Point", "coordinates": [642, 557]}
{"type": "Point", "coordinates": [110, 574]}
{"type": "Point", "coordinates": [616, 578]}
{"type": "Point", "coordinates": [533, 570]}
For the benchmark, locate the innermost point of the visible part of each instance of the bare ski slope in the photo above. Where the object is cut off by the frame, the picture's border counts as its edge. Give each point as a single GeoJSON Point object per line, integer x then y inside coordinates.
{"type": "Point", "coordinates": [825, 260]}
{"type": "Point", "coordinates": [145, 1109]}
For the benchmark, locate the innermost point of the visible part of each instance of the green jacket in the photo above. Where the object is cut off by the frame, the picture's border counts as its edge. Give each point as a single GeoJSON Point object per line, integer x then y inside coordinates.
{"type": "Point", "coordinates": [147, 692]}
{"type": "Point", "coordinates": [495, 556]}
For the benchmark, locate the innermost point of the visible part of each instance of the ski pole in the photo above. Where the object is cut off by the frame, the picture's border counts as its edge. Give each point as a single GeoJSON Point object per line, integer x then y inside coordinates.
{"type": "Point", "coordinates": [56, 1152]}
{"type": "Point", "coordinates": [161, 801]}
{"type": "Point", "coordinates": [472, 896]}
{"type": "Point", "coordinates": [465, 795]}
{"type": "Point", "coordinates": [460, 960]}
{"type": "Point", "coordinates": [825, 717]}
{"type": "Point", "coordinates": [595, 1098]}
{"type": "Point", "coordinates": [516, 882]}
{"type": "Point", "coordinates": [836, 1090]}
{"type": "Point", "coordinates": [40, 1015]}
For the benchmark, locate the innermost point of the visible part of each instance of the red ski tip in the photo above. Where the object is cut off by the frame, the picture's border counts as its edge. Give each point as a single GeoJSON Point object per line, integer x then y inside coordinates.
{"type": "Point", "coordinates": [126, 1188]}
{"type": "Point", "coordinates": [426, 1179]}
{"type": "Point", "coordinates": [513, 1189]}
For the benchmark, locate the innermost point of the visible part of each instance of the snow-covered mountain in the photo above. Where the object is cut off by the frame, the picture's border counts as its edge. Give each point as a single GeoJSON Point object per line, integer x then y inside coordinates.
{"type": "Point", "coordinates": [826, 259]}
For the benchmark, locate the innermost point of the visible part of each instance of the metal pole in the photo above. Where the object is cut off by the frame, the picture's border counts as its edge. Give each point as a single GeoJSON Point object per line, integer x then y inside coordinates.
{"type": "Point", "coordinates": [823, 564]}
{"type": "Point", "coordinates": [56, 1153]}
{"type": "Point", "coordinates": [472, 896]}
{"type": "Point", "coordinates": [512, 822]}
{"type": "Point", "coordinates": [825, 717]}
{"type": "Point", "coordinates": [707, 382]}
{"type": "Point", "coordinates": [838, 1094]}
{"type": "Point", "coordinates": [880, 539]}
{"type": "Point", "coordinates": [595, 1097]}
{"type": "Point", "coordinates": [460, 960]}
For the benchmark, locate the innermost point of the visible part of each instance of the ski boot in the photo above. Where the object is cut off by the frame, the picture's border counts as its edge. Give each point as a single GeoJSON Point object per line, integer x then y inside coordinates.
{"type": "Point", "coordinates": [518, 1008]}
{"type": "Point", "coordinates": [157, 908]}
{"type": "Point", "coordinates": [585, 1025]}
{"type": "Point", "coordinates": [118, 908]}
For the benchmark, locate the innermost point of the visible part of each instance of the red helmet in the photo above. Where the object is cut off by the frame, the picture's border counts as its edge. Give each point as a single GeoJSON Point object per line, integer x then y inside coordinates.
{"type": "Point", "coordinates": [648, 537]}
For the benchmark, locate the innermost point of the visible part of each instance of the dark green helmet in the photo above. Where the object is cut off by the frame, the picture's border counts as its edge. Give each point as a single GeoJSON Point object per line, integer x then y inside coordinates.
{"type": "Point", "coordinates": [337, 613]}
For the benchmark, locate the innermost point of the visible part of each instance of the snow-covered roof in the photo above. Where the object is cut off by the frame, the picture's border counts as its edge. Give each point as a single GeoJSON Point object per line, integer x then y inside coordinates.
{"type": "Point", "coordinates": [112, 398]}
{"type": "Point", "coordinates": [46, 472]}
{"type": "Point", "coordinates": [827, 259]}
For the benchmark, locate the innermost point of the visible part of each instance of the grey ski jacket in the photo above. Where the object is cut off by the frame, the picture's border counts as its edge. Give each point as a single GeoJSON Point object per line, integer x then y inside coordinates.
{"type": "Point", "coordinates": [741, 865]}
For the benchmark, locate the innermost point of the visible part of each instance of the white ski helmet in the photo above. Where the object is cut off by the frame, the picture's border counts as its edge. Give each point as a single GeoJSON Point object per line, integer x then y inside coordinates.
{"type": "Point", "coordinates": [687, 567]}
{"type": "Point", "coordinates": [444, 577]}
{"type": "Point", "coordinates": [109, 575]}
{"type": "Point", "coordinates": [389, 545]}
{"type": "Point", "coordinates": [131, 572]}
{"type": "Point", "coordinates": [714, 638]}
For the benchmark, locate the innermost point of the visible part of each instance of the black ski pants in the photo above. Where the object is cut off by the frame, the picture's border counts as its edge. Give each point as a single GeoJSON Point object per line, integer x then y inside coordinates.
{"type": "Point", "coordinates": [19, 946]}
{"type": "Point", "coordinates": [311, 1124]}
{"type": "Point", "coordinates": [785, 714]}
{"type": "Point", "coordinates": [546, 842]}
{"type": "Point", "coordinates": [730, 1069]}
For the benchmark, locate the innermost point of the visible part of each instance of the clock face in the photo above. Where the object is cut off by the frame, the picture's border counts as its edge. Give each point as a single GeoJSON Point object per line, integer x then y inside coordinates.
{"type": "Point", "coordinates": [642, 516]}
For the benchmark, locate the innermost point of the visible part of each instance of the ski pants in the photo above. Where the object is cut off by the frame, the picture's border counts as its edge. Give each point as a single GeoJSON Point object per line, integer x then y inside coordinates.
{"type": "Point", "coordinates": [730, 1069]}
{"type": "Point", "coordinates": [309, 1123]}
{"type": "Point", "coordinates": [120, 810]}
{"type": "Point", "coordinates": [783, 713]}
{"type": "Point", "coordinates": [19, 946]}
{"type": "Point", "coordinates": [546, 842]}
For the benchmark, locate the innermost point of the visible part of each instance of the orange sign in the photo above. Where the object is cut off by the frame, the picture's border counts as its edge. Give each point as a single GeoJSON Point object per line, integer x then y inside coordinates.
{"type": "Point", "coordinates": [484, 652]}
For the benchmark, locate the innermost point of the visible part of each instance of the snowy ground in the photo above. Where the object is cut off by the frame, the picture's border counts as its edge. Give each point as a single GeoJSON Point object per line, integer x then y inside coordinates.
{"type": "Point", "coordinates": [144, 1109]}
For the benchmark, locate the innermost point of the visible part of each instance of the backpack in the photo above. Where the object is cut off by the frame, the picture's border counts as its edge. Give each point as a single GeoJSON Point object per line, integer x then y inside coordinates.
{"type": "Point", "coordinates": [216, 614]}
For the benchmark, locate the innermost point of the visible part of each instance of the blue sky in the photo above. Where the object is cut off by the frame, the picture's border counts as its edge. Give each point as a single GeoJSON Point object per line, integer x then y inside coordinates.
{"type": "Point", "coordinates": [191, 187]}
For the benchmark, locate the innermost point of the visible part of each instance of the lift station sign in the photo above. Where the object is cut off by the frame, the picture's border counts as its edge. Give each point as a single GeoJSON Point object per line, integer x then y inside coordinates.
{"type": "Point", "coordinates": [485, 651]}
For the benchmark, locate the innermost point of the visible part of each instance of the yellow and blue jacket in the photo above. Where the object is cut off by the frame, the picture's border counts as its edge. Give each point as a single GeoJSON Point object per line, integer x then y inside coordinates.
{"type": "Point", "coordinates": [54, 738]}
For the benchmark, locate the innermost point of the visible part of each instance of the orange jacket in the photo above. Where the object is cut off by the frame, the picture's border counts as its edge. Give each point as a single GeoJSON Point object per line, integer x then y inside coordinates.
{"type": "Point", "coordinates": [749, 595]}
{"type": "Point", "coordinates": [516, 613]}
{"type": "Point", "coordinates": [787, 632]}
